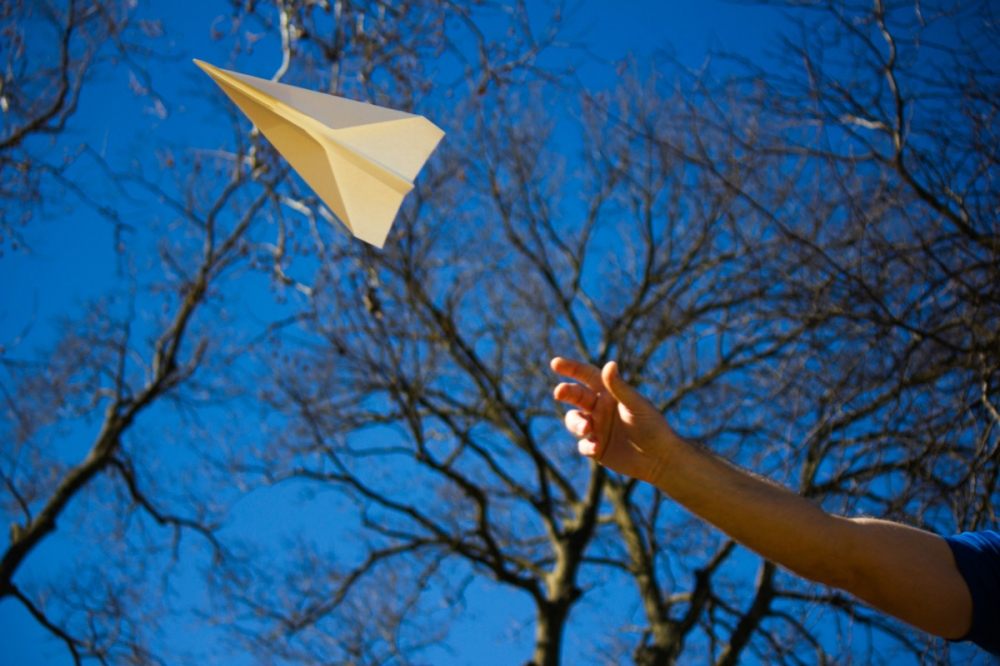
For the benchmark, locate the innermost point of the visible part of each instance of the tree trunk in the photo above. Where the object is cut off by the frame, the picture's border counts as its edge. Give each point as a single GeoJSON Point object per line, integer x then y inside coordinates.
{"type": "Point", "coordinates": [549, 631]}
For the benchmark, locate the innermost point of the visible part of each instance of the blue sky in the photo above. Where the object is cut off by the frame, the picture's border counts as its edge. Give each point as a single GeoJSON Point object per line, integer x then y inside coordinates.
{"type": "Point", "coordinates": [38, 288]}
{"type": "Point", "coordinates": [72, 256]}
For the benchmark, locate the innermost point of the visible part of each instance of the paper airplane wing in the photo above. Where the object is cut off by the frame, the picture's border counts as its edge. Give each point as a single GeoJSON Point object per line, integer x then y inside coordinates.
{"type": "Point", "coordinates": [360, 159]}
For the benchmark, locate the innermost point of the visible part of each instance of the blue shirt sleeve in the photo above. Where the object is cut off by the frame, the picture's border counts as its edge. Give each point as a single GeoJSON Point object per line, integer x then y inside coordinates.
{"type": "Point", "coordinates": [977, 555]}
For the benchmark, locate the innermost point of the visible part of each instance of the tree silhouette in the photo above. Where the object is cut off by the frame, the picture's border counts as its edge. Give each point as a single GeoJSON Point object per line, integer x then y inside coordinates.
{"type": "Point", "coordinates": [796, 262]}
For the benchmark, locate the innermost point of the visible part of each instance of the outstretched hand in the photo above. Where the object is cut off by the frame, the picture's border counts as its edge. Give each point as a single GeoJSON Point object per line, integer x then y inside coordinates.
{"type": "Point", "coordinates": [616, 425]}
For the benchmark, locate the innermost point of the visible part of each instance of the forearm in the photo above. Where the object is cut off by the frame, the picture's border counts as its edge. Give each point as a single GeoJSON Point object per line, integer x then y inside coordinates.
{"type": "Point", "coordinates": [758, 513]}
{"type": "Point", "coordinates": [900, 570]}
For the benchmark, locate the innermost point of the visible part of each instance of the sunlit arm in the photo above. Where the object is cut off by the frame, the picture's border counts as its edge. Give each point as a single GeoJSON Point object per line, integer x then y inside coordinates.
{"type": "Point", "coordinates": [900, 570]}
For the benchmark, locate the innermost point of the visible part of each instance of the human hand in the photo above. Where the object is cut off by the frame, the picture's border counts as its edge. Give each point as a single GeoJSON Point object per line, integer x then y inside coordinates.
{"type": "Point", "coordinates": [618, 427]}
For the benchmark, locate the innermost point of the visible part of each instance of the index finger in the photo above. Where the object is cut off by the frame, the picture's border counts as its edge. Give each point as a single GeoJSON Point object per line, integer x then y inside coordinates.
{"type": "Point", "coordinates": [582, 372]}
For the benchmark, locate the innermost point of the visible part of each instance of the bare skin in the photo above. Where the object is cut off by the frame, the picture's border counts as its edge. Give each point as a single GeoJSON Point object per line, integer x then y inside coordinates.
{"type": "Point", "coordinates": [900, 570]}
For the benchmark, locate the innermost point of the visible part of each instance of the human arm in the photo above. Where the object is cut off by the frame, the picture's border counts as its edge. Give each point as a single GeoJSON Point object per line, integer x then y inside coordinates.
{"type": "Point", "coordinates": [900, 570]}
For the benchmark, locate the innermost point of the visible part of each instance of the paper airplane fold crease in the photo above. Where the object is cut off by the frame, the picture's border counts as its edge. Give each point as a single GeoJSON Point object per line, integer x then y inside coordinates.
{"type": "Point", "coordinates": [360, 159]}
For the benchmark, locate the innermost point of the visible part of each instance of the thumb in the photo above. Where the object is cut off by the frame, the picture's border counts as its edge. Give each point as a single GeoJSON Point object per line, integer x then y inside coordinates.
{"type": "Point", "coordinates": [623, 393]}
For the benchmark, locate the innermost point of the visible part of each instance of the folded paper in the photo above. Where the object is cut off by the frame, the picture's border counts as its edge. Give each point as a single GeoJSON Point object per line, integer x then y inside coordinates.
{"type": "Point", "coordinates": [360, 159]}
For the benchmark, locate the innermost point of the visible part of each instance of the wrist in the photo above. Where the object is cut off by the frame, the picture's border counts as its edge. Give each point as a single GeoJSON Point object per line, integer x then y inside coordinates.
{"type": "Point", "coordinates": [669, 454]}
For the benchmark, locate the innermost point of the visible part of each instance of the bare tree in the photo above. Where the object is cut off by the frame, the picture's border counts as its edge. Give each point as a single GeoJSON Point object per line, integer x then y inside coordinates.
{"type": "Point", "coordinates": [50, 51]}
{"type": "Point", "coordinates": [799, 267]}
{"type": "Point", "coordinates": [887, 405]}
{"type": "Point", "coordinates": [430, 405]}
{"type": "Point", "coordinates": [797, 264]}
{"type": "Point", "coordinates": [136, 376]}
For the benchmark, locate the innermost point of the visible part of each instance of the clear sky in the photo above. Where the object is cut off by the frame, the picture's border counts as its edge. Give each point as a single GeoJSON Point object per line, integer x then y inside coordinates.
{"type": "Point", "coordinates": [72, 257]}
{"type": "Point", "coordinates": [37, 285]}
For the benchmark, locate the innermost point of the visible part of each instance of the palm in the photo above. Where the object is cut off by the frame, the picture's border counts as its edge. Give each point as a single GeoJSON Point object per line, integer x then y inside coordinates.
{"type": "Point", "coordinates": [628, 440]}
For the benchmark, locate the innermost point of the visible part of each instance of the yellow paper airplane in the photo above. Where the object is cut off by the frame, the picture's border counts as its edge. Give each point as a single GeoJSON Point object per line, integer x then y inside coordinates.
{"type": "Point", "coordinates": [360, 159]}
